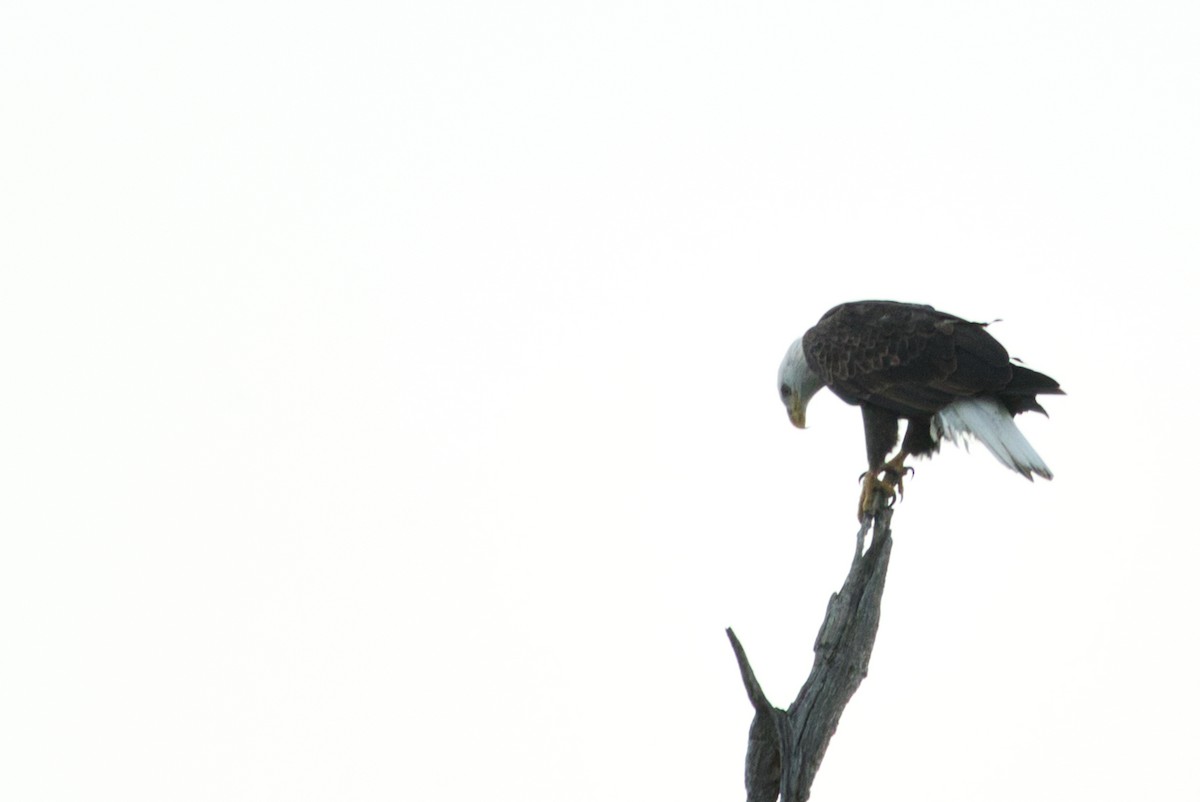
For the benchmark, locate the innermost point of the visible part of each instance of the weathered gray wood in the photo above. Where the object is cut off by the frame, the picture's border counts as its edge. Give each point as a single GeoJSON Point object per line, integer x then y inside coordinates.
{"type": "Point", "coordinates": [786, 746]}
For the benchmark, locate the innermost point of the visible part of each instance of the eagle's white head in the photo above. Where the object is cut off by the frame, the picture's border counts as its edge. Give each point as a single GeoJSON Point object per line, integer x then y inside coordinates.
{"type": "Point", "coordinates": [797, 383]}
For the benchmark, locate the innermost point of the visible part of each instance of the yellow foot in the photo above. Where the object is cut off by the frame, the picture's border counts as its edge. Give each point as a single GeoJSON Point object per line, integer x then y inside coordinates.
{"type": "Point", "coordinates": [888, 481]}
{"type": "Point", "coordinates": [873, 486]}
{"type": "Point", "coordinates": [894, 471]}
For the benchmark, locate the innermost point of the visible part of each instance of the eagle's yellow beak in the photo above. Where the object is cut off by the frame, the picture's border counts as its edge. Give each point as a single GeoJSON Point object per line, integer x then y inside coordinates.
{"type": "Point", "coordinates": [796, 414]}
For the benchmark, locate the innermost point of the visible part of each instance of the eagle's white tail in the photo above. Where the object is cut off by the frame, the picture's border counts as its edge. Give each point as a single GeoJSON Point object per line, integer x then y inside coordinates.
{"type": "Point", "coordinates": [988, 421]}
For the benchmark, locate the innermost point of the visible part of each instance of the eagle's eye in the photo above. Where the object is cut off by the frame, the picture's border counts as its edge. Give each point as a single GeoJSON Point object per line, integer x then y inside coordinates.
{"type": "Point", "coordinates": [785, 391]}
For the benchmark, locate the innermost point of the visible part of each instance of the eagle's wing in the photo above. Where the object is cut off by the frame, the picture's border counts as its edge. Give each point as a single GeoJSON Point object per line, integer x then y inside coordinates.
{"type": "Point", "coordinates": [911, 359]}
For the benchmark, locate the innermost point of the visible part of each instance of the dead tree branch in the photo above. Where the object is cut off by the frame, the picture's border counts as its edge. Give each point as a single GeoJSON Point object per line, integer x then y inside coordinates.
{"type": "Point", "coordinates": [786, 746]}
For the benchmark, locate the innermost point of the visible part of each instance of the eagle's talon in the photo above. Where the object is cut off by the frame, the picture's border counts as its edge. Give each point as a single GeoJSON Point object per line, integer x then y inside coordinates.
{"type": "Point", "coordinates": [873, 485]}
{"type": "Point", "coordinates": [895, 471]}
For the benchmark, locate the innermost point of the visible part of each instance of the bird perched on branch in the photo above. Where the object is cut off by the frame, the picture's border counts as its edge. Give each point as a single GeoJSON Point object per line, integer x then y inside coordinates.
{"type": "Point", "coordinates": [946, 376]}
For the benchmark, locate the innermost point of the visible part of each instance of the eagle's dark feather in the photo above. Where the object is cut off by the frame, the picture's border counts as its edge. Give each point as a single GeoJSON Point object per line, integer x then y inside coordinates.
{"type": "Point", "coordinates": [899, 360]}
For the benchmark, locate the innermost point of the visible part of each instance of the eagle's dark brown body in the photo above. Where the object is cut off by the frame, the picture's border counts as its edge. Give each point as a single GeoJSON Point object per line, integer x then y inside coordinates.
{"type": "Point", "coordinates": [946, 376]}
{"type": "Point", "coordinates": [899, 360]}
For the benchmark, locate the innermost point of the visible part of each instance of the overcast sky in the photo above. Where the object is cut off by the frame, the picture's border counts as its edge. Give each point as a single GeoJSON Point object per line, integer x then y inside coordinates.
{"type": "Point", "coordinates": [390, 405]}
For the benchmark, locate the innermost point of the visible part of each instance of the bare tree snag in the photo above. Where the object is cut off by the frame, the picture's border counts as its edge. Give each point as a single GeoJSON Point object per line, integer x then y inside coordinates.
{"type": "Point", "coordinates": [786, 746]}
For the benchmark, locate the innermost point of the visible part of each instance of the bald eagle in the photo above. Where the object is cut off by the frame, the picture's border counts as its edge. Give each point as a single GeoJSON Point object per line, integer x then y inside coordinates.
{"type": "Point", "coordinates": [944, 375]}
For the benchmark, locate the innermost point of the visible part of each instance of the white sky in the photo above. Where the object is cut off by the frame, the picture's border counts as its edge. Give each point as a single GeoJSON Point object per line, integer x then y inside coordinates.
{"type": "Point", "coordinates": [390, 405]}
